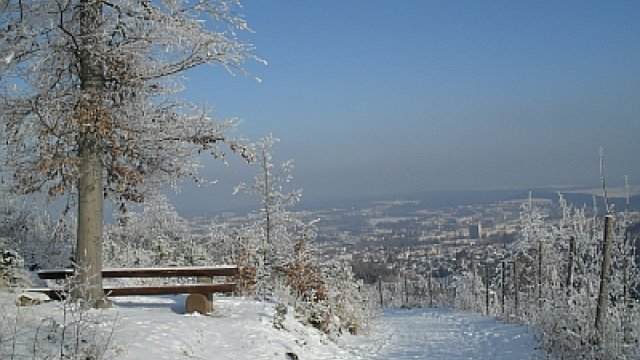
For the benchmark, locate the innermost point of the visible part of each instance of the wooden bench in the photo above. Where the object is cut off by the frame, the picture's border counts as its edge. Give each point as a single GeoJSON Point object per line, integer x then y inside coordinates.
{"type": "Point", "coordinates": [200, 294]}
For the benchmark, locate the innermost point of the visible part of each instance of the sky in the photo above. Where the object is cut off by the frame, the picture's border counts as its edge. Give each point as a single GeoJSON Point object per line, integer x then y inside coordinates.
{"type": "Point", "coordinates": [378, 98]}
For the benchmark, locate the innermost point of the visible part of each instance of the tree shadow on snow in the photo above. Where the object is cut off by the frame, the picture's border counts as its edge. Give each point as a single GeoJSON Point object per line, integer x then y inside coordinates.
{"type": "Point", "coordinates": [174, 302]}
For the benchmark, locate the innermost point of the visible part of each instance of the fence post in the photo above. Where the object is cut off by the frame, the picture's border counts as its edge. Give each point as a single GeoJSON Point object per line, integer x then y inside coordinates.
{"type": "Point", "coordinates": [504, 271]}
{"type": "Point", "coordinates": [380, 291]}
{"type": "Point", "coordinates": [406, 290]}
{"type": "Point", "coordinates": [540, 274]}
{"type": "Point", "coordinates": [516, 285]}
{"type": "Point", "coordinates": [605, 272]}
{"type": "Point", "coordinates": [474, 285]}
{"type": "Point", "coordinates": [572, 250]}
{"type": "Point", "coordinates": [486, 287]}
{"type": "Point", "coordinates": [430, 290]}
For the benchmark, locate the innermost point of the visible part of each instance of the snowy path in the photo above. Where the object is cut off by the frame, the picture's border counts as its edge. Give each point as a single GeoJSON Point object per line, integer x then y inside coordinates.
{"type": "Point", "coordinates": [243, 330]}
{"type": "Point", "coordinates": [436, 334]}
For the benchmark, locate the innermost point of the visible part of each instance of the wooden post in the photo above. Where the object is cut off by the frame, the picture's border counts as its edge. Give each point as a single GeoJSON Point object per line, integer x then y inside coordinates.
{"type": "Point", "coordinates": [572, 250]}
{"type": "Point", "coordinates": [504, 271]}
{"type": "Point", "coordinates": [628, 254]}
{"type": "Point", "coordinates": [540, 274]}
{"type": "Point", "coordinates": [516, 285]}
{"type": "Point", "coordinates": [380, 291]}
{"type": "Point", "coordinates": [474, 285]}
{"type": "Point", "coordinates": [430, 291]}
{"type": "Point", "coordinates": [406, 290]}
{"type": "Point", "coordinates": [603, 294]}
{"type": "Point", "coordinates": [486, 288]}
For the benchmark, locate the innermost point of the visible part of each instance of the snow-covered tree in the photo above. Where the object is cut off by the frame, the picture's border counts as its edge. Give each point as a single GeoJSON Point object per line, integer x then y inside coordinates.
{"type": "Point", "coordinates": [273, 227]}
{"type": "Point", "coordinates": [554, 282]}
{"type": "Point", "coordinates": [157, 235]}
{"type": "Point", "coordinates": [277, 250]}
{"type": "Point", "coordinates": [88, 100]}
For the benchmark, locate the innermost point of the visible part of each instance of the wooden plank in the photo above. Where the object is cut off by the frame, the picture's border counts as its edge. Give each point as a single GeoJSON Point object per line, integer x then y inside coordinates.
{"type": "Point", "coordinates": [53, 294]}
{"type": "Point", "coordinates": [58, 294]}
{"type": "Point", "coordinates": [170, 289]}
{"type": "Point", "coordinates": [210, 271]}
{"type": "Point", "coordinates": [56, 274]}
{"type": "Point", "coordinates": [170, 272]}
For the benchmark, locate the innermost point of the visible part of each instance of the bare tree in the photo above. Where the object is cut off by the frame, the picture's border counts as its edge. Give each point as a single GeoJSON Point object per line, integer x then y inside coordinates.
{"type": "Point", "coordinates": [89, 106]}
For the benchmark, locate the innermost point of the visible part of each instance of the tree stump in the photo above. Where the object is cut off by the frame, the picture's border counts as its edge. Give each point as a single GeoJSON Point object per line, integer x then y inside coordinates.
{"type": "Point", "coordinates": [199, 303]}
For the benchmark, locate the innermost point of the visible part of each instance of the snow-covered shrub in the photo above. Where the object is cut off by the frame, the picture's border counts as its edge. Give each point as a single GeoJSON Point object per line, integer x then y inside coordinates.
{"type": "Point", "coordinates": [306, 287]}
{"type": "Point", "coordinates": [12, 271]}
{"type": "Point", "coordinates": [326, 295]}
{"type": "Point", "coordinates": [245, 258]}
{"type": "Point", "coordinates": [469, 287]}
{"type": "Point", "coordinates": [43, 241]}
{"type": "Point", "coordinates": [279, 316]}
{"type": "Point", "coordinates": [68, 329]}
{"type": "Point", "coordinates": [347, 299]}
{"type": "Point", "coordinates": [553, 282]}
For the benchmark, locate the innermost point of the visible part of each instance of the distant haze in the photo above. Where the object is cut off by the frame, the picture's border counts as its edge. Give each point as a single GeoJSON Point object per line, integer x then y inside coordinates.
{"type": "Point", "coordinates": [376, 97]}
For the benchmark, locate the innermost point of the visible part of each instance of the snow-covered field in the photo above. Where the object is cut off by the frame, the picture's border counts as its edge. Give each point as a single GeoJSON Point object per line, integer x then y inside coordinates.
{"type": "Point", "coordinates": [156, 328]}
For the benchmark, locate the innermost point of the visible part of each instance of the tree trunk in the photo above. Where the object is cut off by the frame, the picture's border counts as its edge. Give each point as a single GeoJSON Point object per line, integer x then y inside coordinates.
{"type": "Point", "coordinates": [89, 247]}
{"type": "Point", "coordinates": [90, 193]}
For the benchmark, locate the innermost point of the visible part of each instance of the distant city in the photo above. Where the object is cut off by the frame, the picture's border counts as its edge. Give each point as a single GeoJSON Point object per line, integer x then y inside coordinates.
{"type": "Point", "coordinates": [436, 234]}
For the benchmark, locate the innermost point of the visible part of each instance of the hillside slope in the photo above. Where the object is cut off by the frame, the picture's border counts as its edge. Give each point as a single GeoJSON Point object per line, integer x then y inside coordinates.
{"type": "Point", "coordinates": [155, 327]}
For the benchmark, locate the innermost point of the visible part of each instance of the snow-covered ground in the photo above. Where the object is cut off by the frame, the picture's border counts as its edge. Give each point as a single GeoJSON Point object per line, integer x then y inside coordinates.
{"type": "Point", "coordinates": [444, 334]}
{"type": "Point", "coordinates": [156, 328]}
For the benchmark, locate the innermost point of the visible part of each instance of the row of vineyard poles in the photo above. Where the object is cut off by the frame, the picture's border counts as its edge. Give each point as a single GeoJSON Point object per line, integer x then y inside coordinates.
{"type": "Point", "coordinates": [416, 290]}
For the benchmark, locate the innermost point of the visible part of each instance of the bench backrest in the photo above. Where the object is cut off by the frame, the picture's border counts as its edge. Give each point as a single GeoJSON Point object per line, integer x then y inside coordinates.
{"type": "Point", "coordinates": [205, 271]}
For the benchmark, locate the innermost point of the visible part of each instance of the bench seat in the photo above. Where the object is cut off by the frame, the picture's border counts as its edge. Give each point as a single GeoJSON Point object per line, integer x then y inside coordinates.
{"type": "Point", "coordinates": [170, 289]}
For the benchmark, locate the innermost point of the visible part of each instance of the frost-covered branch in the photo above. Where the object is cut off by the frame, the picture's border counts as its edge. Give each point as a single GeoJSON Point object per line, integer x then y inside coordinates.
{"type": "Point", "coordinates": [145, 135]}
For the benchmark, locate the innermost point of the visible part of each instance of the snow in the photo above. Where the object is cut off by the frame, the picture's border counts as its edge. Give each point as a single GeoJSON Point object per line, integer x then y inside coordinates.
{"type": "Point", "coordinates": [444, 334]}
{"type": "Point", "coordinates": [155, 327]}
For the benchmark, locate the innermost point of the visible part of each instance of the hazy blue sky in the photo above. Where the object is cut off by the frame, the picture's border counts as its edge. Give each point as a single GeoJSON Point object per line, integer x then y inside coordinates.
{"type": "Point", "coordinates": [378, 97]}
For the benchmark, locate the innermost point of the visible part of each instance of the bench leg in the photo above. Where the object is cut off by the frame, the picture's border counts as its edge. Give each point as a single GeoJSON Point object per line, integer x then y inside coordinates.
{"type": "Point", "coordinates": [200, 303]}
